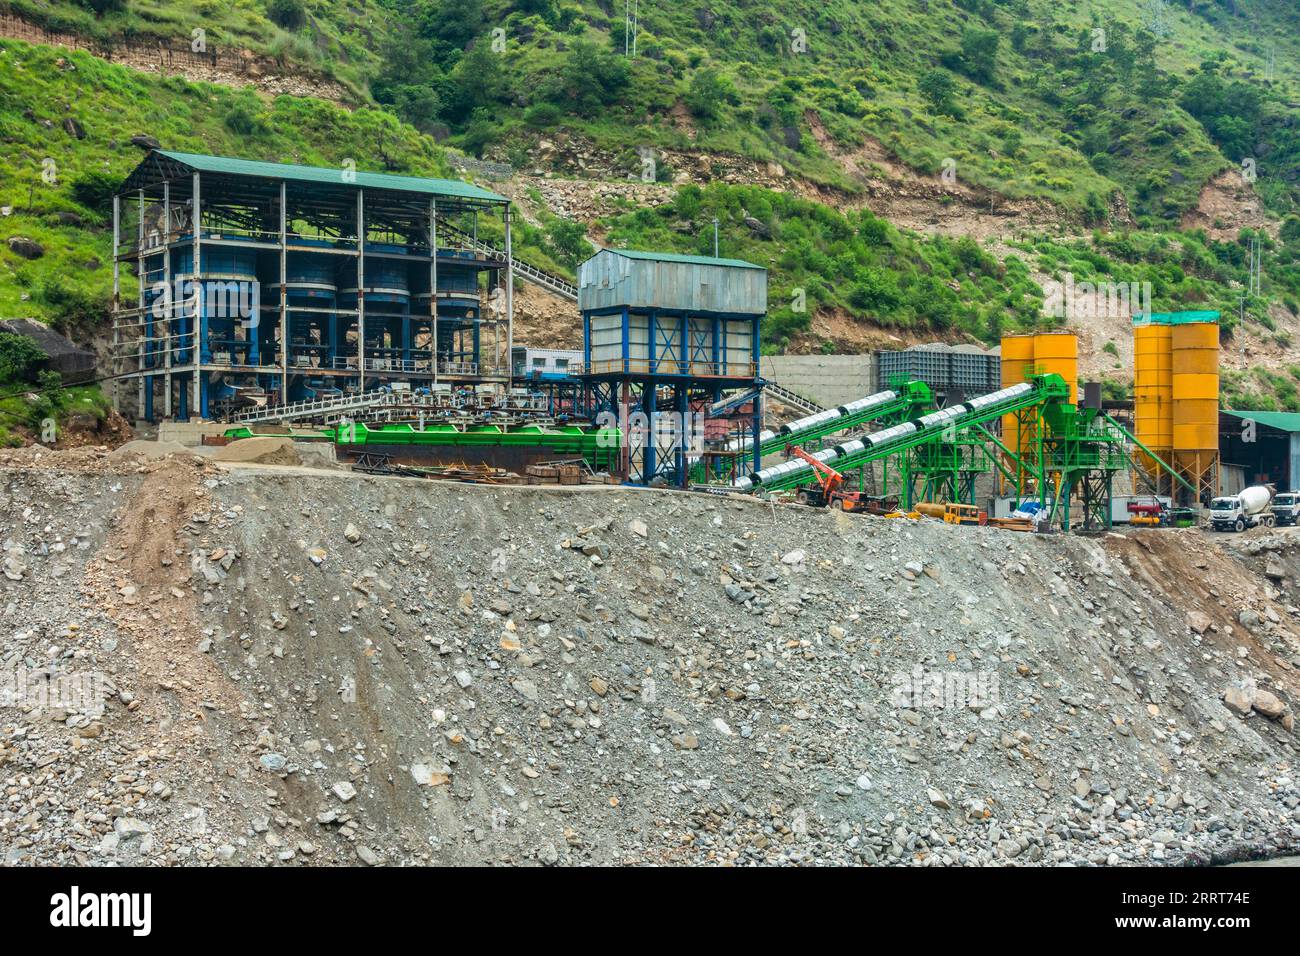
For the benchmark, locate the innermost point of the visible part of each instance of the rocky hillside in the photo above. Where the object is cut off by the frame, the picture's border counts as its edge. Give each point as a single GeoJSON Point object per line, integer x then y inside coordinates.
{"type": "Point", "coordinates": [299, 673]}
{"type": "Point", "coordinates": [896, 191]}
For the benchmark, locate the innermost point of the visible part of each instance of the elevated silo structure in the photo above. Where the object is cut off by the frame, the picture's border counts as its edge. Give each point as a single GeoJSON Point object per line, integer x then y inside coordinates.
{"type": "Point", "coordinates": [1017, 365]}
{"type": "Point", "coordinates": [1058, 353]}
{"type": "Point", "coordinates": [1194, 344]}
{"type": "Point", "coordinates": [1153, 388]}
{"type": "Point", "coordinates": [311, 292]}
{"type": "Point", "coordinates": [387, 311]}
{"type": "Point", "coordinates": [460, 309]}
{"type": "Point", "coordinates": [664, 337]}
{"type": "Point", "coordinates": [271, 244]}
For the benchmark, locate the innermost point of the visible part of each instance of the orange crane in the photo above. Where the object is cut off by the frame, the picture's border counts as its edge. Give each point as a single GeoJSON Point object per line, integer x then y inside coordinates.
{"type": "Point", "coordinates": [829, 490]}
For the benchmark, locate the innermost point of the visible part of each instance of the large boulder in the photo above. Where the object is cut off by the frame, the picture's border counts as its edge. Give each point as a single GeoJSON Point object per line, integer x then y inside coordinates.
{"type": "Point", "coordinates": [1268, 704]}
{"type": "Point", "coordinates": [25, 247]}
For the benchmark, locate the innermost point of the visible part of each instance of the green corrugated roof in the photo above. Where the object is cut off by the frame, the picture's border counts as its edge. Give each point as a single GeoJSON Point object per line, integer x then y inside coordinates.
{"type": "Point", "coordinates": [1174, 318]}
{"type": "Point", "coordinates": [1282, 421]}
{"type": "Point", "coordinates": [331, 176]}
{"type": "Point", "coordinates": [674, 257]}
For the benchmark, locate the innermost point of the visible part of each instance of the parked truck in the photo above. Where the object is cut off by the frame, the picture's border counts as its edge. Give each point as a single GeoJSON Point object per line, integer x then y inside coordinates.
{"type": "Point", "coordinates": [1286, 508]}
{"type": "Point", "coordinates": [1249, 509]}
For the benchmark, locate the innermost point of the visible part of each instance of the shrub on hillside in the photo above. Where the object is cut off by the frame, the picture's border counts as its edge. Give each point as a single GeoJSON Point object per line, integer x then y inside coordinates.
{"type": "Point", "coordinates": [19, 358]}
{"type": "Point", "coordinates": [287, 14]}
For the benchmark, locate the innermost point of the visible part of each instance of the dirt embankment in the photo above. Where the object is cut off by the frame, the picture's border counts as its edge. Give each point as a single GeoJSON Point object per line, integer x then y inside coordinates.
{"type": "Point", "coordinates": [1228, 203]}
{"type": "Point", "coordinates": [175, 56]}
{"type": "Point", "coordinates": [314, 667]}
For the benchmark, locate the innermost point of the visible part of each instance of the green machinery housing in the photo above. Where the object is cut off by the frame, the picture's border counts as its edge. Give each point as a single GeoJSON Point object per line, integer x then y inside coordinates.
{"type": "Point", "coordinates": [1072, 456]}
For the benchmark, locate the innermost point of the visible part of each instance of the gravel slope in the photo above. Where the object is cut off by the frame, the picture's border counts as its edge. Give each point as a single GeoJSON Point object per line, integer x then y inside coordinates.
{"type": "Point", "coordinates": [310, 668]}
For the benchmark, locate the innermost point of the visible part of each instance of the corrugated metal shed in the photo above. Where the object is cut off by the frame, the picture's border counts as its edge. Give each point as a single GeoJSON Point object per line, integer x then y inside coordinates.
{"type": "Point", "coordinates": [313, 174]}
{"type": "Point", "coordinates": [1282, 421]}
{"type": "Point", "coordinates": [614, 278]}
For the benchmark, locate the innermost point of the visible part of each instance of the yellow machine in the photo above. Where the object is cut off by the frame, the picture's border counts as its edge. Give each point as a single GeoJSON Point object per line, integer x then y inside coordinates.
{"type": "Point", "coordinates": [950, 512]}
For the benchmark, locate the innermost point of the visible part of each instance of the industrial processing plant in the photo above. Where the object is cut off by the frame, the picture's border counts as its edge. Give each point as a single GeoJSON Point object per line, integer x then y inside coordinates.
{"type": "Point", "coordinates": [299, 301]}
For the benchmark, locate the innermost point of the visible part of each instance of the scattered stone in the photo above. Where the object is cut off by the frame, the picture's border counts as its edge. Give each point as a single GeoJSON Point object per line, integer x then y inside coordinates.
{"type": "Point", "coordinates": [344, 791]}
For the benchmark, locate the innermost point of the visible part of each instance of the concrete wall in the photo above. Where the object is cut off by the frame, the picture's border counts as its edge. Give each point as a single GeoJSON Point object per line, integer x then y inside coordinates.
{"type": "Point", "coordinates": [828, 380]}
{"type": "Point", "coordinates": [189, 433]}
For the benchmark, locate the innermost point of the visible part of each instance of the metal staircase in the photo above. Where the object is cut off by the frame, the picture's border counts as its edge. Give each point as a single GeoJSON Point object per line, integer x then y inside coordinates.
{"type": "Point", "coordinates": [525, 271]}
{"type": "Point", "coordinates": [325, 408]}
{"type": "Point", "coordinates": [792, 399]}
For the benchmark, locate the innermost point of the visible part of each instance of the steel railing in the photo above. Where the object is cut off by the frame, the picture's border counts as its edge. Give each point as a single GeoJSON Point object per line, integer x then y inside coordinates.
{"type": "Point", "coordinates": [524, 270]}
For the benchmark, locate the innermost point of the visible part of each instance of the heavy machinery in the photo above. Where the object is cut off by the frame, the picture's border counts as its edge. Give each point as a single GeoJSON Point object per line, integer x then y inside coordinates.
{"type": "Point", "coordinates": [1151, 513]}
{"type": "Point", "coordinates": [829, 490]}
{"type": "Point", "coordinates": [1248, 509]}
{"type": "Point", "coordinates": [1286, 508]}
{"type": "Point", "coordinates": [1156, 513]}
{"type": "Point", "coordinates": [951, 512]}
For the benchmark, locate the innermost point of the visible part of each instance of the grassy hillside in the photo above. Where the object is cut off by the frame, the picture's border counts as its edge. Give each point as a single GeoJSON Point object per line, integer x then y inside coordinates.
{"type": "Point", "coordinates": [863, 266]}
{"type": "Point", "coordinates": [333, 38]}
{"type": "Point", "coordinates": [1067, 101]}
{"type": "Point", "coordinates": [74, 115]}
{"type": "Point", "coordinates": [1093, 106]}
{"type": "Point", "coordinates": [1022, 94]}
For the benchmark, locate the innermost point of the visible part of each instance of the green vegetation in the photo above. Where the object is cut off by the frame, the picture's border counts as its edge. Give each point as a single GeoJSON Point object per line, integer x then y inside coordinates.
{"type": "Point", "coordinates": [1186, 270]}
{"type": "Point", "coordinates": [70, 217]}
{"type": "Point", "coordinates": [1072, 107]}
{"type": "Point", "coordinates": [819, 258]}
{"type": "Point", "coordinates": [1095, 107]}
{"type": "Point", "coordinates": [29, 395]}
{"type": "Point", "coordinates": [1261, 390]}
{"type": "Point", "coordinates": [1029, 97]}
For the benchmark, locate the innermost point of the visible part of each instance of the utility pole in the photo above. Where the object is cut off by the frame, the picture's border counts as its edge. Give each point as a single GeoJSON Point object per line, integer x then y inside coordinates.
{"type": "Point", "coordinates": [715, 237]}
{"type": "Point", "coordinates": [631, 25]}
{"type": "Point", "coordinates": [1256, 284]}
{"type": "Point", "coordinates": [1241, 323]}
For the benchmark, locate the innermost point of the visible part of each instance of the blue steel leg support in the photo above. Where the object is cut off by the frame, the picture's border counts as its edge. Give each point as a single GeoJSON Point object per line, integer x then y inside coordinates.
{"type": "Point", "coordinates": [649, 449]}
{"type": "Point", "coordinates": [205, 346]}
{"type": "Point", "coordinates": [684, 436]}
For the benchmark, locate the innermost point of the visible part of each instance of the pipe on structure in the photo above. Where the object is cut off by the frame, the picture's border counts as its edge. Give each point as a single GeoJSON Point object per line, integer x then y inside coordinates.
{"type": "Point", "coordinates": [940, 419]}
{"type": "Point", "coordinates": [817, 419]}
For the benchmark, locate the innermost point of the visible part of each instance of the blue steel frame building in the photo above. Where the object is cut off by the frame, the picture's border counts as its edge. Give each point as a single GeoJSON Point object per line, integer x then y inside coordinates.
{"type": "Point", "coordinates": [274, 283]}
{"type": "Point", "coordinates": [670, 333]}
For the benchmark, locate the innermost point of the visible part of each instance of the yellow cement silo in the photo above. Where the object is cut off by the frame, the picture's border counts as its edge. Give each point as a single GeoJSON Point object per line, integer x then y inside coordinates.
{"type": "Point", "coordinates": [1153, 383]}
{"type": "Point", "coordinates": [1058, 352]}
{"type": "Point", "coordinates": [1017, 363]}
{"type": "Point", "coordinates": [1195, 350]}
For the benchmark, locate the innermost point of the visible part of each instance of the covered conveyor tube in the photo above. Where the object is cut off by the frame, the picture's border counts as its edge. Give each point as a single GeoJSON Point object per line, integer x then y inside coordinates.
{"type": "Point", "coordinates": [818, 422]}
{"type": "Point", "coordinates": [881, 440]}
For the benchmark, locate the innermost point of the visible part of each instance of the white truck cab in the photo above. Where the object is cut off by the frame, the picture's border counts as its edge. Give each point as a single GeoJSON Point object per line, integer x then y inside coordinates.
{"type": "Point", "coordinates": [1238, 512]}
{"type": "Point", "coordinates": [1286, 508]}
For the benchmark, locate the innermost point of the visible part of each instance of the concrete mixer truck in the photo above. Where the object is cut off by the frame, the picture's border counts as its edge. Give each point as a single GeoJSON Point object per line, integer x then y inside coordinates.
{"type": "Point", "coordinates": [1249, 509]}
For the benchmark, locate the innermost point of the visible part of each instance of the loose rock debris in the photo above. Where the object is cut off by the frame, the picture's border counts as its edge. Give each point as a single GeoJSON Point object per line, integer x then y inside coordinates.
{"type": "Point", "coordinates": [311, 670]}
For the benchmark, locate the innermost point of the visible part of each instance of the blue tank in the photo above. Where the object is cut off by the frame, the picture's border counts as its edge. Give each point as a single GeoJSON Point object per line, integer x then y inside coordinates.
{"type": "Point", "coordinates": [311, 293]}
